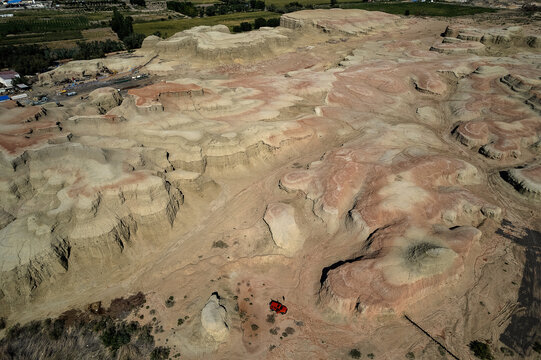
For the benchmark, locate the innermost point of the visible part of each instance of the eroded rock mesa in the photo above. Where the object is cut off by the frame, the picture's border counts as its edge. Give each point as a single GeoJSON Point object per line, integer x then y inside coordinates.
{"type": "Point", "coordinates": [213, 319]}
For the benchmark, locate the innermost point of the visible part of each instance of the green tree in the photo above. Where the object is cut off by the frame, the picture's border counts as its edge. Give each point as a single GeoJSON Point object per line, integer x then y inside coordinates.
{"type": "Point", "coordinates": [259, 22]}
{"type": "Point", "coordinates": [293, 6]}
{"type": "Point", "coordinates": [134, 41]}
{"type": "Point", "coordinates": [245, 26]}
{"type": "Point", "coordinates": [274, 22]}
{"type": "Point", "coordinates": [117, 21]}
{"type": "Point", "coordinates": [123, 26]}
{"type": "Point", "coordinates": [210, 11]}
{"type": "Point", "coordinates": [186, 8]}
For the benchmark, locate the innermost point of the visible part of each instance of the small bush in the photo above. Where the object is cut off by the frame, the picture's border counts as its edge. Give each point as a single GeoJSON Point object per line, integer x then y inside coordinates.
{"type": "Point", "coordinates": [245, 26]}
{"type": "Point", "coordinates": [259, 23]}
{"type": "Point", "coordinates": [254, 327]}
{"type": "Point", "coordinates": [2, 323]}
{"type": "Point", "coordinates": [410, 355]}
{"type": "Point", "coordinates": [220, 244]}
{"type": "Point", "coordinates": [506, 351]}
{"type": "Point", "coordinates": [481, 350]}
{"type": "Point", "coordinates": [371, 356]}
{"type": "Point", "coordinates": [270, 318]}
{"type": "Point", "coordinates": [274, 22]}
{"type": "Point", "coordinates": [354, 354]}
{"type": "Point", "coordinates": [160, 353]}
{"type": "Point", "coordinates": [170, 302]}
{"type": "Point", "coordinates": [180, 321]}
{"type": "Point", "coordinates": [441, 350]}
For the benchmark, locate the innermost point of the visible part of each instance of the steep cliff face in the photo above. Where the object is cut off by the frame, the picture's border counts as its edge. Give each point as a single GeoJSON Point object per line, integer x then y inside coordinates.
{"type": "Point", "coordinates": [350, 173]}
{"type": "Point", "coordinates": [77, 202]}
{"type": "Point", "coordinates": [216, 43]}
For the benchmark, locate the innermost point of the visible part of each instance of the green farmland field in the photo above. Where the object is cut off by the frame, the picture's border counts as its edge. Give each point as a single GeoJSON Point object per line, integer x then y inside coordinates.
{"type": "Point", "coordinates": [44, 26]}
{"type": "Point", "coordinates": [170, 27]}
{"type": "Point", "coordinates": [21, 39]}
{"type": "Point", "coordinates": [417, 8]}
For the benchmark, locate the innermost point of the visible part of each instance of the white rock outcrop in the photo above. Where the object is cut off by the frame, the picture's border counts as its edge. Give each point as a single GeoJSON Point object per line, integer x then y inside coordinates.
{"type": "Point", "coordinates": [285, 232]}
{"type": "Point", "coordinates": [213, 319]}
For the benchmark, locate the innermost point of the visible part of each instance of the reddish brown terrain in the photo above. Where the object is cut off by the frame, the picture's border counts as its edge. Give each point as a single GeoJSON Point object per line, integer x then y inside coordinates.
{"type": "Point", "coordinates": [359, 167]}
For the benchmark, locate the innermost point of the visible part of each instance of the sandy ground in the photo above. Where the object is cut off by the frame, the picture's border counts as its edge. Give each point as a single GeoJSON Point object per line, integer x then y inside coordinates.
{"type": "Point", "coordinates": [370, 120]}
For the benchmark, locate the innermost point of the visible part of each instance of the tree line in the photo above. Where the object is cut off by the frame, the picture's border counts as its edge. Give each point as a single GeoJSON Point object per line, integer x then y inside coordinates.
{"type": "Point", "coordinates": [234, 6]}
{"type": "Point", "coordinates": [32, 59]}
{"type": "Point", "coordinates": [258, 23]}
{"type": "Point", "coordinates": [123, 27]}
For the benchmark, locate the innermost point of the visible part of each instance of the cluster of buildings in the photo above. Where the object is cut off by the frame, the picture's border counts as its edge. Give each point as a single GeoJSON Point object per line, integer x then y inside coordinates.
{"type": "Point", "coordinates": [8, 88]}
{"type": "Point", "coordinates": [32, 4]}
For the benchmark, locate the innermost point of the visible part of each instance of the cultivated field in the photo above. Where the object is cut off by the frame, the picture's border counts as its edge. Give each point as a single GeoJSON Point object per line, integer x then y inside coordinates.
{"type": "Point", "coordinates": [170, 27]}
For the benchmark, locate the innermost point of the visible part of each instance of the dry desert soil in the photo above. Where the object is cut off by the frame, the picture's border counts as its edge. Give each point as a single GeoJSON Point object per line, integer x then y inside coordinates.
{"type": "Point", "coordinates": [379, 175]}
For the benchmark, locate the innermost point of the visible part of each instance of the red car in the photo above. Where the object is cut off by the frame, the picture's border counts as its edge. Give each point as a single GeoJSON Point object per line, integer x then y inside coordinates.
{"type": "Point", "coordinates": [278, 307]}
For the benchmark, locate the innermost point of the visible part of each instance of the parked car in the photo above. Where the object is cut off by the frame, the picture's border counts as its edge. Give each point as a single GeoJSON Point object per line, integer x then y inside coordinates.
{"type": "Point", "coordinates": [278, 307]}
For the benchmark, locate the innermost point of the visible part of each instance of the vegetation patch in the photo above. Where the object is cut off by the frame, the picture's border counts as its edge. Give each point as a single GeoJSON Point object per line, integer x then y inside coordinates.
{"type": "Point", "coordinates": [90, 334]}
{"type": "Point", "coordinates": [481, 350]}
{"type": "Point", "coordinates": [160, 353]}
{"type": "Point", "coordinates": [220, 244]}
{"type": "Point", "coordinates": [417, 8]}
{"type": "Point", "coordinates": [354, 354]}
{"type": "Point", "coordinates": [170, 27]}
{"type": "Point", "coordinates": [170, 302]}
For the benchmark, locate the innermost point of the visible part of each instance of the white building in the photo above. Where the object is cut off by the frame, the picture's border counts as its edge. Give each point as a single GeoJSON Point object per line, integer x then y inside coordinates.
{"type": "Point", "coordinates": [6, 78]}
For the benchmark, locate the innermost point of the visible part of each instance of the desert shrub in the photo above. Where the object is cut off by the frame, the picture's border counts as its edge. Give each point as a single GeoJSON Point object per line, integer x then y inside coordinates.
{"type": "Point", "coordinates": [480, 350]}
{"type": "Point", "coordinates": [160, 353]}
{"type": "Point", "coordinates": [170, 302]}
{"type": "Point", "coordinates": [220, 244]}
{"type": "Point", "coordinates": [354, 354]}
